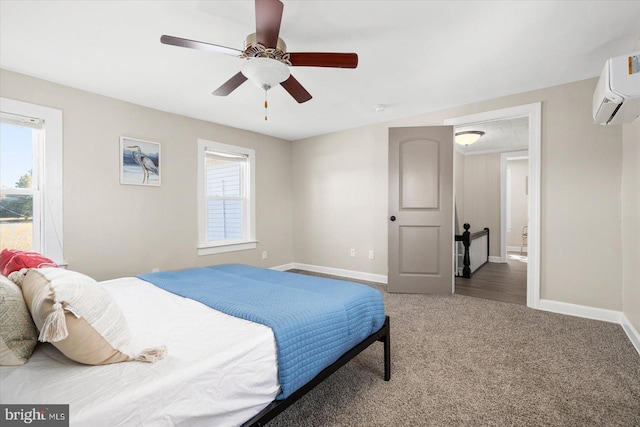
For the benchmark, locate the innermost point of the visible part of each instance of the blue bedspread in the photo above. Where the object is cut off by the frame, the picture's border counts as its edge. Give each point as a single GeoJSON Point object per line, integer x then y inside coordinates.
{"type": "Point", "coordinates": [314, 320]}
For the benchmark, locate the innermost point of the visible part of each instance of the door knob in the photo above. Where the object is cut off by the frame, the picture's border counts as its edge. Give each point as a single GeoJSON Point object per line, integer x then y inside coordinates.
{"type": "Point", "coordinates": [393, 218]}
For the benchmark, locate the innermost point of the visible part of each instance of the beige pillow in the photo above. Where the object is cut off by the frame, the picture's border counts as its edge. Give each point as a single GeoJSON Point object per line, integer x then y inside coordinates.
{"type": "Point", "coordinates": [18, 335]}
{"type": "Point", "coordinates": [80, 318]}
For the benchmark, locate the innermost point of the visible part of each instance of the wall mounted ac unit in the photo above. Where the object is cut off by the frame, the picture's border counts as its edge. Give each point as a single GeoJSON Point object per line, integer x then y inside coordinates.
{"type": "Point", "coordinates": [616, 99]}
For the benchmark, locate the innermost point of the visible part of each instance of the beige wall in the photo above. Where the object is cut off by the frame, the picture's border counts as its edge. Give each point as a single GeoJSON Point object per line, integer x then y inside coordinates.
{"type": "Point", "coordinates": [340, 187]}
{"type": "Point", "coordinates": [631, 222]}
{"type": "Point", "coordinates": [519, 200]}
{"type": "Point", "coordinates": [333, 189]}
{"type": "Point", "coordinates": [112, 230]}
{"type": "Point", "coordinates": [458, 170]}
{"type": "Point", "coordinates": [481, 201]}
{"type": "Point", "coordinates": [340, 191]}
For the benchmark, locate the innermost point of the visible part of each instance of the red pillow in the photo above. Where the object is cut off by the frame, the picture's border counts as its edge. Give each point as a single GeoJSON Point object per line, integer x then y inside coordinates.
{"type": "Point", "coordinates": [13, 260]}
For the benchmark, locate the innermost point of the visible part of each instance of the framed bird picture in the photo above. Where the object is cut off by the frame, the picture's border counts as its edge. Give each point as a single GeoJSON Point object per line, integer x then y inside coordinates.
{"type": "Point", "coordinates": [139, 162]}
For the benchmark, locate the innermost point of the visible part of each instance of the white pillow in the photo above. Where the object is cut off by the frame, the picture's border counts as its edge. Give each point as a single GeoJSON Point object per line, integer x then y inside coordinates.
{"type": "Point", "coordinates": [80, 318]}
{"type": "Point", "coordinates": [18, 335]}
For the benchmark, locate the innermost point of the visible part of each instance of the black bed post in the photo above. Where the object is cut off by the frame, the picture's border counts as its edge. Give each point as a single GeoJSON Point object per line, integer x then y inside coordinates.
{"type": "Point", "coordinates": [386, 339]}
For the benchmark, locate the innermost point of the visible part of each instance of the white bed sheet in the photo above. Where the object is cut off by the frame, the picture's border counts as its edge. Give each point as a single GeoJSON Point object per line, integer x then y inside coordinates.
{"type": "Point", "coordinates": [220, 370]}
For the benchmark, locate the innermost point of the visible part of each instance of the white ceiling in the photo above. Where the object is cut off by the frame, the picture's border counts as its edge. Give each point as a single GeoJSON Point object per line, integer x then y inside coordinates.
{"type": "Point", "coordinates": [414, 56]}
{"type": "Point", "coordinates": [499, 136]}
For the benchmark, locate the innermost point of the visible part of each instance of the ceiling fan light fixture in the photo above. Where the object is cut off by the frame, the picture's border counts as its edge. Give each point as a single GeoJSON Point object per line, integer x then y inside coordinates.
{"type": "Point", "coordinates": [253, 49]}
{"type": "Point", "coordinates": [265, 72]}
{"type": "Point", "coordinates": [468, 137]}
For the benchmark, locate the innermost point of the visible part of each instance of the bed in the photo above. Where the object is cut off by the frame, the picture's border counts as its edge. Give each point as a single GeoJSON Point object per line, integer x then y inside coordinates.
{"type": "Point", "coordinates": [220, 369]}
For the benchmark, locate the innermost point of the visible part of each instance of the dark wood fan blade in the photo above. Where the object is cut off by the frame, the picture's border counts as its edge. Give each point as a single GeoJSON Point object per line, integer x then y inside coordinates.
{"type": "Point", "coordinates": [193, 44]}
{"type": "Point", "coordinates": [268, 19]}
{"type": "Point", "coordinates": [230, 85]}
{"type": "Point", "coordinates": [323, 59]}
{"type": "Point", "coordinates": [296, 90]}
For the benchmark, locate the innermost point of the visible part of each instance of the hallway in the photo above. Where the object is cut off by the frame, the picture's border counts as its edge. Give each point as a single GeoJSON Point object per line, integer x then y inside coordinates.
{"type": "Point", "coordinates": [497, 281]}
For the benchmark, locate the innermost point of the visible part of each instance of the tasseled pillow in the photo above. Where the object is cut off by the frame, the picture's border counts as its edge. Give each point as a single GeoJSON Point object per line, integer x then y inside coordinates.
{"type": "Point", "coordinates": [74, 313]}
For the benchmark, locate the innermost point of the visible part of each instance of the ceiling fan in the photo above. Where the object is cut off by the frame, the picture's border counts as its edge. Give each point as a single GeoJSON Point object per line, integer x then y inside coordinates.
{"type": "Point", "coordinates": [267, 58]}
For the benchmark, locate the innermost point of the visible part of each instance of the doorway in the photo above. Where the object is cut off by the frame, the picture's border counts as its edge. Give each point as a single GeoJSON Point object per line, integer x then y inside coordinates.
{"type": "Point", "coordinates": [532, 114]}
{"type": "Point", "coordinates": [514, 205]}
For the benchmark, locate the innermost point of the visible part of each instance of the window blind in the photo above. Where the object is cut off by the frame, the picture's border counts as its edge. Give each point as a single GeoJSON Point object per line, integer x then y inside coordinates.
{"type": "Point", "coordinates": [225, 194]}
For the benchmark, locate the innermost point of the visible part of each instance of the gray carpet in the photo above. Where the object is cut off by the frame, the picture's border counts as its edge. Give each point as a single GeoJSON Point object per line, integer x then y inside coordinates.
{"type": "Point", "coordinates": [463, 361]}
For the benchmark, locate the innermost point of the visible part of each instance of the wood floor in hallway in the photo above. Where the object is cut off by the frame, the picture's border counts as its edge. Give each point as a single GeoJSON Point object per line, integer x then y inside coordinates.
{"type": "Point", "coordinates": [505, 282]}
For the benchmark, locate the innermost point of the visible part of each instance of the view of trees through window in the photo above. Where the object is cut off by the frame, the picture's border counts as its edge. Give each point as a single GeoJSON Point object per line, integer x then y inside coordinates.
{"type": "Point", "coordinates": [16, 186]}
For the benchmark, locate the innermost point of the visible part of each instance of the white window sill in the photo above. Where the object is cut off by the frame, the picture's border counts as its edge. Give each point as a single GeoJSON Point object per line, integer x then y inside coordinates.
{"type": "Point", "coordinates": [229, 247]}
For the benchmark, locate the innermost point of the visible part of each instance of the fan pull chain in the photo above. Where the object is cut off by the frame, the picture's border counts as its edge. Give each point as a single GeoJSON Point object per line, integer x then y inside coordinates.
{"type": "Point", "coordinates": [266, 105]}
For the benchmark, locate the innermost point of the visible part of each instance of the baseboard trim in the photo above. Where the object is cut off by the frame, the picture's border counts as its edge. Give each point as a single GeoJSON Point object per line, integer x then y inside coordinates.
{"type": "Point", "coordinates": [515, 249]}
{"type": "Point", "coordinates": [283, 267]}
{"type": "Point", "coordinates": [595, 314]}
{"type": "Point", "coordinates": [360, 275]}
{"type": "Point", "coordinates": [632, 333]}
{"type": "Point", "coordinates": [580, 311]}
{"type": "Point", "coordinates": [494, 259]}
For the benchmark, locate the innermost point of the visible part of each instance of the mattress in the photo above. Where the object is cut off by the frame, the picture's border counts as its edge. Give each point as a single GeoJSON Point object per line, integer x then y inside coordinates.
{"type": "Point", "coordinates": [220, 370]}
{"type": "Point", "coordinates": [314, 320]}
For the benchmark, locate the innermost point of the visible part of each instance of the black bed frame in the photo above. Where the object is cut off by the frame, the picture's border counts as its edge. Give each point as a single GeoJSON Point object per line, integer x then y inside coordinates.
{"type": "Point", "coordinates": [277, 406]}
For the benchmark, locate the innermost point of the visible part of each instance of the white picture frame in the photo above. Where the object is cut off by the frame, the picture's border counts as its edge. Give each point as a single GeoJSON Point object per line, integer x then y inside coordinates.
{"type": "Point", "coordinates": [140, 162]}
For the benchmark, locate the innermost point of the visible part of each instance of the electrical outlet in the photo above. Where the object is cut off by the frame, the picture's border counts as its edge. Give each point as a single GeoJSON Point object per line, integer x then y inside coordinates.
{"type": "Point", "coordinates": [155, 269]}
{"type": "Point", "coordinates": [353, 252]}
{"type": "Point", "coordinates": [264, 254]}
{"type": "Point", "coordinates": [370, 253]}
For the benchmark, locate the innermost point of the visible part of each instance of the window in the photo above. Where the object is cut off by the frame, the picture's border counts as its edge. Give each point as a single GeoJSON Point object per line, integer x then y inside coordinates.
{"type": "Point", "coordinates": [31, 178]}
{"type": "Point", "coordinates": [20, 151]}
{"type": "Point", "coordinates": [226, 180]}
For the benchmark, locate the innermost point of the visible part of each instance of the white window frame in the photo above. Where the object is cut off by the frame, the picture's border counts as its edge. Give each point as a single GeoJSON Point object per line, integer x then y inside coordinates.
{"type": "Point", "coordinates": [248, 241]}
{"type": "Point", "coordinates": [48, 172]}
